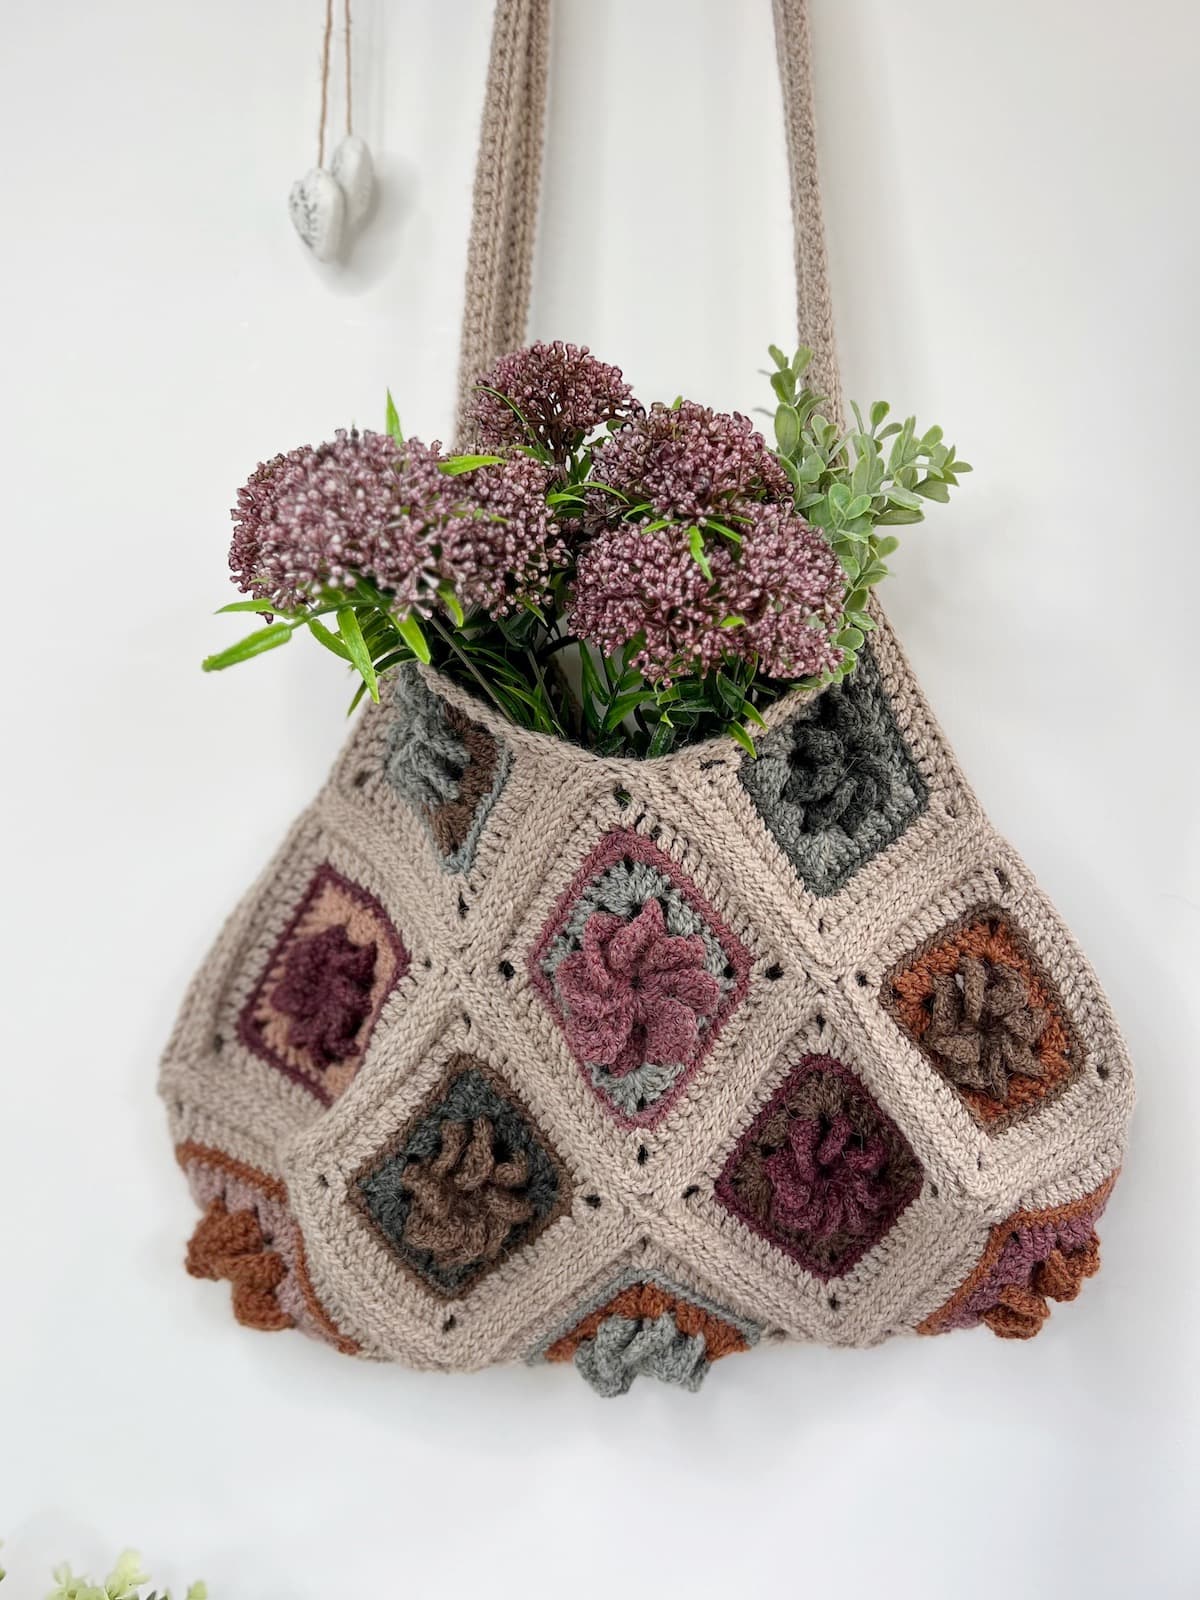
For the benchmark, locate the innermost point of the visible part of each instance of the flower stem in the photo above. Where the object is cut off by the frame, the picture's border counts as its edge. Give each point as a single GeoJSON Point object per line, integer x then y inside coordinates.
{"type": "Point", "coordinates": [448, 638]}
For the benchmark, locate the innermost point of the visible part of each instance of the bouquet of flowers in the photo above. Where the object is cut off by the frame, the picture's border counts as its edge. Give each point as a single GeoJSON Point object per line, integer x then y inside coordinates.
{"type": "Point", "coordinates": [630, 577]}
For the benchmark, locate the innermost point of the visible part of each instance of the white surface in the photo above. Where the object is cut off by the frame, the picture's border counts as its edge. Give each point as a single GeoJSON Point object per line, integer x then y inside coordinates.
{"type": "Point", "coordinates": [1012, 209]}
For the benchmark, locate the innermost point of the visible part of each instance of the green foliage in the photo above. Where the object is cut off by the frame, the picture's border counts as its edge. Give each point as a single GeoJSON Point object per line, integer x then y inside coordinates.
{"type": "Point", "coordinates": [853, 485]}
{"type": "Point", "coordinates": [369, 637]}
{"type": "Point", "coordinates": [126, 1581]}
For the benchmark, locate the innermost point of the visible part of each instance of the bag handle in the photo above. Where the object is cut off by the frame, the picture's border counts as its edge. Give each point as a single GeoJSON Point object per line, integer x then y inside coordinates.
{"type": "Point", "coordinates": [507, 183]}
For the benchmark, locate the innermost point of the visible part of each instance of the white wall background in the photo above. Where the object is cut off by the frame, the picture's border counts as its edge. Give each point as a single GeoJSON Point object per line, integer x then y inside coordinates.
{"type": "Point", "coordinates": [1012, 199]}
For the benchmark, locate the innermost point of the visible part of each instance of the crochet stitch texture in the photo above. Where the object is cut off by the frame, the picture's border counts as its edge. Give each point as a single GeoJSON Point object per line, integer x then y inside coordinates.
{"type": "Point", "coordinates": [626, 1089]}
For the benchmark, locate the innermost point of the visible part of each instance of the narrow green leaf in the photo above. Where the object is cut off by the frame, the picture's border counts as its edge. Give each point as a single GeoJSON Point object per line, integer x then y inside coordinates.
{"type": "Point", "coordinates": [261, 607]}
{"type": "Point", "coordinates": [410, 631]}
{"type": "Point", "coordinates": [621, 708]}
{"type": "Point", "coordinates": [394, 658]}
{"type": "Point", "coordinates": [593, 690]}
{"type": "Point", "coordinates": [696, 546]}
{"type": "Point", "coordinates": [269, 638]}
{"type": "Point", "coordinates": [459, 464]}
{"type": "Point", "coordinates": [392, 421]}
{"type": "Point", "coordinates": [662, 738]}
{"type": "Point", "coordinates": [732, 694]}
{"type": "Point", "coordinates": [742, 735]}
{"type": "Point", "coordinates": [352, 637]}
{"type": "Point", "coordinates": [452, 604]}
{"type": "Point", "coordinates": [330, 640]}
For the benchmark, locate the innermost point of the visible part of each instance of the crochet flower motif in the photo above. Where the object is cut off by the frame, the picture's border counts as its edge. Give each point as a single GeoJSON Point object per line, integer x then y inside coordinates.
{"type": "Point", "coordinates": [326, 991]}
{"type": "Point", "coordinates": [827, 1178]}
{"type": "Point", "coordinates": [983, 1026]}
{"type": "Point", "coordinates": [841, 766]}
{"type": "Point", "coordinates": [1020, 1309]}
{"type": "Point", "coordinates": [623, 1349]}
{"type": "Point", "coordinates": [468, 1198]}
{"type": "Point", "coordinates": [230, 1244]}
{"type": "Point", "coordinates": [635, 993]}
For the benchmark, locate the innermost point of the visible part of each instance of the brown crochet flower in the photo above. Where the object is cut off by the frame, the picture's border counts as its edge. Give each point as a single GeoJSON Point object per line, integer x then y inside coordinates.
{"type": "Point", "coordinates": [983, 1026]}
{"type": "Point", "coordinates": [468, 1198]}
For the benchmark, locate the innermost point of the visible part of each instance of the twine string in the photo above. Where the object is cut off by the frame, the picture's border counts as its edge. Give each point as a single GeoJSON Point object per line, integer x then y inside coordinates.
{"type": "Point", "coordinates": [326, 50]}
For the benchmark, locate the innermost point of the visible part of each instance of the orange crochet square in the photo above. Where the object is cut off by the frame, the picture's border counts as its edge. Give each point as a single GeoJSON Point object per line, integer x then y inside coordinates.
{"type": "Point", "coordinates": [987, 936]}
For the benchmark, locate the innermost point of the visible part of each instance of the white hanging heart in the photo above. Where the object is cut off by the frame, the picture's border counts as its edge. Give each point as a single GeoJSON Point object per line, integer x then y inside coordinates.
{"type": "Point", "coordinates": [355, 172]}
{"type": "Point", "coordinates": [318, 211]}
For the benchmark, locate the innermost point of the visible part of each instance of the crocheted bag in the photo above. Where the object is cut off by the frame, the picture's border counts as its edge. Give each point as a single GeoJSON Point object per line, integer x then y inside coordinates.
{"type": "Point", "coordinates": [904, 1109]}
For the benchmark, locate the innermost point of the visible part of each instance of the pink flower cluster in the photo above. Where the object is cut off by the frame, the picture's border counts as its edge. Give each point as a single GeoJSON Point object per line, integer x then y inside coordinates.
{"type": "Point", "coordinates": [775, 593]}
{"type": "Point", "coordinates": [768, 590]}
{"type": "Point", "coordinates": [552, 395]}
{"type": "Point", "coordinates": [689, 462]}
{"type": "Point", "coordinates": [503, 546]}
{"type": "Point", "coordinates": [777, 596]}
{"type": "Point", "coordinates": [365, 505]}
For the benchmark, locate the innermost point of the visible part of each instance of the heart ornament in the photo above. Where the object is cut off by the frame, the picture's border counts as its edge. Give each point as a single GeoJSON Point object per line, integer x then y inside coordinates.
{"type": "Point", "coordinates": [317, 206]}
{"type": "Point", "coordinates": [354, 171]}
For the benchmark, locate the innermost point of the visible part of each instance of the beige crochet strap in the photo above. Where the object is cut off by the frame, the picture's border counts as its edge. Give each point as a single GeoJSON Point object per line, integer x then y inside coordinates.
{"type": "Point", "coordinates": [814, 305]}
{"type": "Point", "coordinates": [504, 217]}
{"type": "Point", "coordinates": [507, 182]}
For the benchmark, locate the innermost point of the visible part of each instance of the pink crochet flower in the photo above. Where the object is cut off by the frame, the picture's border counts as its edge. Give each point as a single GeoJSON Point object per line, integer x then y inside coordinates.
{"type": "Point", "coordinates": [826, 1178]}
{"type": "Point", "coordinates": [636, 993]}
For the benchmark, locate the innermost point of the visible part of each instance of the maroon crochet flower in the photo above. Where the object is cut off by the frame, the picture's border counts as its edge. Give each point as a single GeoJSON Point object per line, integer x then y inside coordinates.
{"type": "Point", "coordinates": [826, 1179]}
{"type": "Point", "coordinates": [326, 991]}
{"type": "Point", "coordinates": [636, 993]}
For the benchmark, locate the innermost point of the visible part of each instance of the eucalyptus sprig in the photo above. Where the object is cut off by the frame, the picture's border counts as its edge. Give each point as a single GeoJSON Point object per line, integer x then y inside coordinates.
{"type": "Point", "coordinates": [850, 483]}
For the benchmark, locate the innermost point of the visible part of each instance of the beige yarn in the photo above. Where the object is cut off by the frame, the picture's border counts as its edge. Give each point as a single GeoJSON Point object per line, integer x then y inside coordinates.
{"type": "Point", "coordinates": [641, 1203]}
